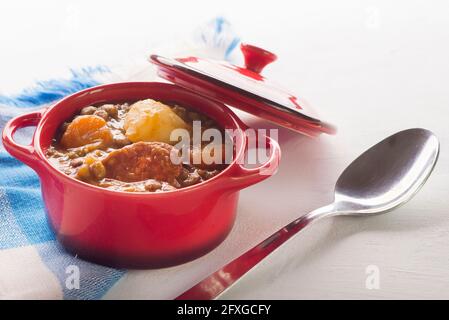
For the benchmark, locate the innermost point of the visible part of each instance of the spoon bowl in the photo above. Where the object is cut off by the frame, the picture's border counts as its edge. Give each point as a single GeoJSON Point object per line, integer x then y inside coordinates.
{"type": "Point", "coordinates": [388, 174]}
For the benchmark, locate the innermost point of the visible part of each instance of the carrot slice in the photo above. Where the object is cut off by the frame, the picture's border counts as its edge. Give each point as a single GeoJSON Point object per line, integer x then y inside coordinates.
{"type": "Point", "coordinates": [85, 130]}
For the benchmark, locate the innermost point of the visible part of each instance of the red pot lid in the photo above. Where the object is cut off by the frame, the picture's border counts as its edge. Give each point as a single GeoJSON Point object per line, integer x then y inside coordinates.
{"type": "Point", "coordinates": [243, 88]}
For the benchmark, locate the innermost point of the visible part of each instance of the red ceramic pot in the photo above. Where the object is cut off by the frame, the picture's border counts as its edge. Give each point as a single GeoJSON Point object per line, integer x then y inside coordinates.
{"type": "Point", "coordinates": [136, 229]}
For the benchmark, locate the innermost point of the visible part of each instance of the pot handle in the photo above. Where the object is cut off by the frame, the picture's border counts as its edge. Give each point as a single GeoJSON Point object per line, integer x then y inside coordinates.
{"type": "Point", "coordinates": [24, 153]}
{"type": "Point", "coordinates": [242, 177]}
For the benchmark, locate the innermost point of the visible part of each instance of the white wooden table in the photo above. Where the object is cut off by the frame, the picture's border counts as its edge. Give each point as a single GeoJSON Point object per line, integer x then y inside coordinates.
{"type": "Point", "coordinates": [371, 69]}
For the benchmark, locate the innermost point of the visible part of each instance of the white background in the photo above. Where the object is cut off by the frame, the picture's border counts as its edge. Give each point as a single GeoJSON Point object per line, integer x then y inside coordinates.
{"type": "Point", "coordinates": [370, 67]}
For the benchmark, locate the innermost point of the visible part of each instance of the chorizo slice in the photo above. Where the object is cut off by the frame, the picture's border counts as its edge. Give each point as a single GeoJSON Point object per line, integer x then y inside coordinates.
{"type": "Point", "coordinates": [141, 161]}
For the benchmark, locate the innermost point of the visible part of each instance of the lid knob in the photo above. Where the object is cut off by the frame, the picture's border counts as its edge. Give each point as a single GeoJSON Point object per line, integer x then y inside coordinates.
{"type": "Point", "coordinates": [256, 58]}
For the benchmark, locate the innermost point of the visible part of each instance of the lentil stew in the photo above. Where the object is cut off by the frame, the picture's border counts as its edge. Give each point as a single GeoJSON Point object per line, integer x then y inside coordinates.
{"type": "Point", "coordinates": [127, 146]}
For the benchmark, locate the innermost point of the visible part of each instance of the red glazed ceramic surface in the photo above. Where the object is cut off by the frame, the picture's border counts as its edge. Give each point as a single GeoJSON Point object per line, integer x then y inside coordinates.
{"type": "Point", "coordinates": [243, 88]}
{"type": "Point", "coordinates": [136, 229]}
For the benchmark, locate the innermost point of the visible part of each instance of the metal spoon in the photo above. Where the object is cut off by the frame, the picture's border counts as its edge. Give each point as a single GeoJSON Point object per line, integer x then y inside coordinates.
{"type": "Point", "coordinates": [384, 177]}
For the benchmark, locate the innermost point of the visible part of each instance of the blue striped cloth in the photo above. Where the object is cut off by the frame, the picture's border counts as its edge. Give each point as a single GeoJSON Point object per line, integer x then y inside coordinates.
{"type": "Point", "coordinates": [32, 263]}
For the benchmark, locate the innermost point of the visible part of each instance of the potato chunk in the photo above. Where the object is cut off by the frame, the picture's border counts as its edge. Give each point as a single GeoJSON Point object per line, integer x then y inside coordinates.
{"type": "Point", "coordinates": [149, 120]}
{"type": "Point", "coordinates": [84, 130]}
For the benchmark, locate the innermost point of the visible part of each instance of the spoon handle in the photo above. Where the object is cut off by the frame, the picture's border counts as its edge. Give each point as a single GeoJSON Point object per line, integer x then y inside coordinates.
{"type": "Point", "coordinates": [222, 279]}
